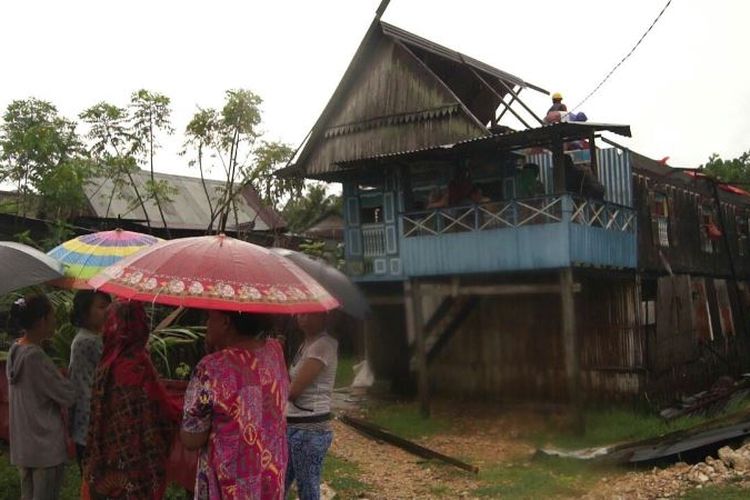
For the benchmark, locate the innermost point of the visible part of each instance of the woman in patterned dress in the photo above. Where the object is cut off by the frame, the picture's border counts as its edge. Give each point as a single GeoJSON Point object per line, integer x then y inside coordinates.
{"type": "Point", "coordinates": [133, 419]}
{"type": "Point", "coordinates": [234, 411]}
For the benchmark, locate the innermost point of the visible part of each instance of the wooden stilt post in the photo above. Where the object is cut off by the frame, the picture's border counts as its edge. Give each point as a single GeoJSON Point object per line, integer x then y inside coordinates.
{"type": "Point", "coordinates": [415, 327]}
{"type": "Point", "coordinates": [571, 348]}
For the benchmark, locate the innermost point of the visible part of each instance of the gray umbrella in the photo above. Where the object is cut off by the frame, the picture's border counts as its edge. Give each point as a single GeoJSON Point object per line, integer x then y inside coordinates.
{"type": "Point", "coordinates": [351, 298]}
{"type": "Point", "coordinates": [22, 266]}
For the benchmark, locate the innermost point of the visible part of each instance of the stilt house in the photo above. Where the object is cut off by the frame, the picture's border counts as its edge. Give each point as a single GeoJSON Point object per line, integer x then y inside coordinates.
{"type": "Point", "coordinates": [549, 290]}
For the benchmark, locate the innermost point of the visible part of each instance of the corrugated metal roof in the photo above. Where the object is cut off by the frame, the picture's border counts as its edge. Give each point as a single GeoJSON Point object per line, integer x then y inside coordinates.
{"type": "Point", "coordinates": [435, 48]}
{"type": "Point", "coordinates": [188, 208]}
{"type": "Point", "coordinates": [519, 138]}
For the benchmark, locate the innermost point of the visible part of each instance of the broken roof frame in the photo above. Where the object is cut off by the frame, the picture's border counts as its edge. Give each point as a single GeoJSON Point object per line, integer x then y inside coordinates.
{"type": "Point", "coordinates": [495, 83]}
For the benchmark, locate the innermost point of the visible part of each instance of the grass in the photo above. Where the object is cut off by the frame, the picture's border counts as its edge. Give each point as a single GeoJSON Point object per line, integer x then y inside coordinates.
{"type": "Point", "coordinates": [10, 483]}
{"type": "Point", "coordinates": [405, 421]}
{"type": "Point", "coordinates": [538, 479]}
{"type": "Point", "coordinates": [721, 492]}
{"type": "Point", "coordinates": [343, 476]}
{"type": "Point", "coordinates": [345, 371]}
{"type": "Point", "coordinates": [606, 427]}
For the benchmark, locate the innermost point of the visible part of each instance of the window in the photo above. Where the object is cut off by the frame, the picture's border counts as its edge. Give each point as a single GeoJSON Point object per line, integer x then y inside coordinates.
{"type": "Point", "coordinates": [370, 204]}
{"type": "Point", "coordinates": [648, 302]}
{"type": "Point", "coordinates": [660, 219]}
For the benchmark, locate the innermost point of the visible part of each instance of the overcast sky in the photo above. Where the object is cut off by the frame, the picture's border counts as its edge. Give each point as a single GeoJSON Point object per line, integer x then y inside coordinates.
{"type": "Point", "coordinates": [686, 91]}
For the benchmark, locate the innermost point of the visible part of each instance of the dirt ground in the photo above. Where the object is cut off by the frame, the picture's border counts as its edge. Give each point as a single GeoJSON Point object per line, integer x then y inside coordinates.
{"type": "Point", "coordinates": [488, 438]}
{"type": "Point", "coordinates": [481, 438]}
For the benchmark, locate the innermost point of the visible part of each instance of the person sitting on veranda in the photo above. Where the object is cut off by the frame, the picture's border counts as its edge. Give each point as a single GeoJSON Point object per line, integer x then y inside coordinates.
{"type": "Point", "coordinates": [529, 184]}
{"type": "Point", "coordinates": [461, 190]}
{"type": "Point", "coordinates": [581, 180]}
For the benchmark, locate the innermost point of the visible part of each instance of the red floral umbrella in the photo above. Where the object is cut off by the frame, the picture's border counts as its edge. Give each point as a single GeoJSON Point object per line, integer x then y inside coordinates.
{"type": "Point", "coordinates": [215, 272]}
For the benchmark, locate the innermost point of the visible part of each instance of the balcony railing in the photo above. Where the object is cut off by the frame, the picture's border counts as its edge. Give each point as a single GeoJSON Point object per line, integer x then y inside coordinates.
{"type": "Point", "coordinates": [545, 232]}
{"type": "Point", "coordinates": [519, 213]}
{"type": "Point", "coordinates": [493, 215]}
{"type": "Point", "coordinates": [601, 214]}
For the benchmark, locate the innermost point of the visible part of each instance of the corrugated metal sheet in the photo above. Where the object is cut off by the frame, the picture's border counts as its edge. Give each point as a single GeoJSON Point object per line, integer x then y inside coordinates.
{"type": "Point", "coordinates": [544, 160]}
{"type": "Point", "coordinates": [513, 140]}
{"type": "Point", "coordinates": [188, 208]}
{"type": "Point", "coordinates": [616, 173]}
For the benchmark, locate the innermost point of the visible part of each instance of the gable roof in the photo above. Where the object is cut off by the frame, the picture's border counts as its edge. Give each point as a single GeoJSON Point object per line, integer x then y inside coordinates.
{"type": "Point", "coordinates": [188, 208]}
{"type": "Point", "coordinates": [402, 92]}
{"type": "Point", "coordinates": [329, 226]}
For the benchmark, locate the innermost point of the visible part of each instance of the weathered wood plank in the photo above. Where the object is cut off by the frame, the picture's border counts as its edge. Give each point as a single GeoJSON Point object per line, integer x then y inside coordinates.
{"type": "Point", "coordinates": [571, 348]}
{"type": "Point", "coordinates": [415, 323]}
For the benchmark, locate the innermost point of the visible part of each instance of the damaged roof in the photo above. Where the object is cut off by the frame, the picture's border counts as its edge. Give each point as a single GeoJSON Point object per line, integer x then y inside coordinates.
{"type": "Point", "coordinates": [510, 140]}
{"type": "Point", "coordinates": [188, 207]}
{"type": "Point", "coordinates": [403, 92]}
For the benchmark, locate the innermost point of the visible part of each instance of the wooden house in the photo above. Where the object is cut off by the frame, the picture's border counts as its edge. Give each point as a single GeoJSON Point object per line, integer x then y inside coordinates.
{"type": "Point", "coordinates": [604, 275]}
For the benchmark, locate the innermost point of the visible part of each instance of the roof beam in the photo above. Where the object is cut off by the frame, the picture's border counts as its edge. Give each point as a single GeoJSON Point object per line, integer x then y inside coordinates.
{"type": "Point", "coordinates": [497, 94]}
{"type": "Point", "coordinates": [381, 8]}
{"type": "Point", "coordinates": [439, 80]}
{"type": "Point", "coordinates": [510, 103]}
{"type": "Point", "coordinates": [510, 90]}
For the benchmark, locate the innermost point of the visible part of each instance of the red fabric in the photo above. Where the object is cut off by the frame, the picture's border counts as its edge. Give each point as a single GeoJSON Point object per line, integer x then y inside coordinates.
{"type": "Point", "coordinates": [133, 419]}
{"type": "Point", "coordinates": [215, 272]}
{"type": "Point", "coordinates": [729, 188]}
{"type": "Point", "coordinates": [714, 233]}
{"type": "Point", "coordinates": [733, 189]}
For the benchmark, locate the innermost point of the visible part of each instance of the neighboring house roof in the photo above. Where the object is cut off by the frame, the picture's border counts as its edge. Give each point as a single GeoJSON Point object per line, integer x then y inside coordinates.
{"type": "Point", "coordinates": [402, 92]}
{"type": "Point", "coordinates": [329, 227]}
{"type": "Point", "coordinates": [188, 207]}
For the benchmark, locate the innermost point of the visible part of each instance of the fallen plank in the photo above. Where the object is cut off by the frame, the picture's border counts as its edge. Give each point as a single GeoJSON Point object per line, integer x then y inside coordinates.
{"type": "Point", "coordinates": [378, 433]}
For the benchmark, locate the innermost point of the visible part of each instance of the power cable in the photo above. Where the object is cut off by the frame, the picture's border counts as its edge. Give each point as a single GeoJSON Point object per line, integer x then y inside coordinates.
{"type": "Point", "coordinates": [626, 56]}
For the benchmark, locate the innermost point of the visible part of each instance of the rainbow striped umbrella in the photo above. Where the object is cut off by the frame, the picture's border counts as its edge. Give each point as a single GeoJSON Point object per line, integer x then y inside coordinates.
{"type": "Point", "coordinates": [85, 256]}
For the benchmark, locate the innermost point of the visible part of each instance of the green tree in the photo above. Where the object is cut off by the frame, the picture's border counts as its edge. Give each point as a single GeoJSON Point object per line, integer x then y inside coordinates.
{"type": "Point", "coordinates": [232, 134]}
{"type": "Point", "coordinates": [261, 174]}
{"type": "Point", "coordinates": [37, 145]}
{"type": "Point", "coordinates": [150, 115]}
{"type": "Point", "coordinates": [112, 145]}
{"type": "Point", "coordinates": [736, 170]}
{"type": "Point", "coordinates": [200, 134]}
{"type": "Point", "coordinates": [300, 212]}
{"type": "Point", "coordinates": [62, 194]}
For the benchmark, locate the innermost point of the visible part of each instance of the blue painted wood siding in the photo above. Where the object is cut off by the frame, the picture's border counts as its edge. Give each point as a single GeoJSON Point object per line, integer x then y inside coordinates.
{"type": "Point", "coordinates": [575, 232]}
{"type": "Point", "coordinates": [588, 233]}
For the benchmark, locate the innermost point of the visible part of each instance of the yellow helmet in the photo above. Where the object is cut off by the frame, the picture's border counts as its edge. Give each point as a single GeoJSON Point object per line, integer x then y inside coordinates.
{"type": "Point", "coordinates": [557, 96]}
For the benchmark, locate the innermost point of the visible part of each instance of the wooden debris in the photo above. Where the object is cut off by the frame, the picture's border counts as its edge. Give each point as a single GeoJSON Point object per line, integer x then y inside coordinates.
{"type": "Point", "coordinates": [379, 434]}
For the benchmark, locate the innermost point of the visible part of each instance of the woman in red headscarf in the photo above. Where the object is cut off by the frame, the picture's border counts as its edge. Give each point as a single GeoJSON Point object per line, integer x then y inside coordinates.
{"type": "Point", "coordinates": [133, 419]}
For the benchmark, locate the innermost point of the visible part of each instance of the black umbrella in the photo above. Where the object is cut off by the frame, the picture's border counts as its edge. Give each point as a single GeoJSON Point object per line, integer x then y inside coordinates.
{"type": "Point", "coordinates": [351, 298]}
{"type": "Point", "coordinates": [22, 266]}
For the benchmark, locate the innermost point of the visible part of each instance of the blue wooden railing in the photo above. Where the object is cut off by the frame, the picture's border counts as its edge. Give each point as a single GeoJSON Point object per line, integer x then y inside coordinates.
{"type": "Point", "coordinates": [544, 232]}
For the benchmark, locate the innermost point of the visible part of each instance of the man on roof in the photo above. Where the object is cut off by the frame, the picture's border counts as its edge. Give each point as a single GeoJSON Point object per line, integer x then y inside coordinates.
{"type": "Point", "coordinates": [557, 104]}
{"type": "Point", "coordinates": [557, 110]}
